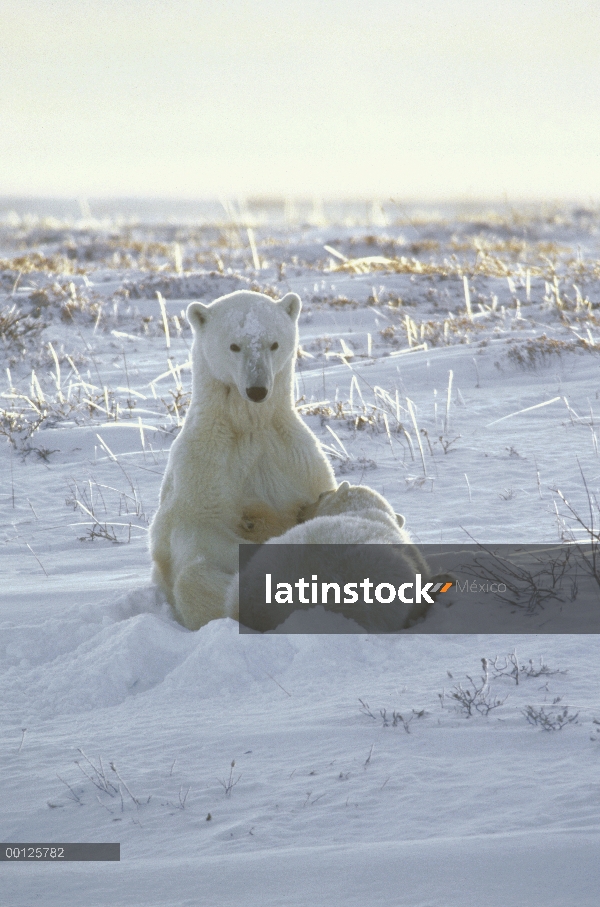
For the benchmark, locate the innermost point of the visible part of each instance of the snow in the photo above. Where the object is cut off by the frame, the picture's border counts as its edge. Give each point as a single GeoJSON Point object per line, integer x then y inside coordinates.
{"type": "Point", "coordinates": [333, 798]}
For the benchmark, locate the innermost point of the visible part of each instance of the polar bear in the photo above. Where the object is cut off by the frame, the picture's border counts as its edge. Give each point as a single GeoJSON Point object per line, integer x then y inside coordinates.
{"type": "Point", "coordinates": [260, 522]}
{"type": "Point", "coordinates": [353, 516]}
{"type": "Point", "coordinates": [243, 451]}
{"type": "Point", "coordinates": [359, 501]}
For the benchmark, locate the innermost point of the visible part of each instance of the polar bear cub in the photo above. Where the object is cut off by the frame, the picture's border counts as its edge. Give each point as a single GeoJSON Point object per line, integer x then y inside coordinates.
{"type": "Point", "coordinates": [352, 516]}
{"type": "Point", "coordinates": [243, 450]}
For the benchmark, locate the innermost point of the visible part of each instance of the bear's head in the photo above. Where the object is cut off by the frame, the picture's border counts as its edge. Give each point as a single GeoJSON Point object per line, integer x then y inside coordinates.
{"type": "Point", "coordinates": [245, 339]}
{"type": "Point", "coordinates": [346, 498]}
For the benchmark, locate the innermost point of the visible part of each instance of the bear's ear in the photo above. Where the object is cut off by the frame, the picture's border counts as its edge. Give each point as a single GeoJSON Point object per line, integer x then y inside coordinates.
{"type": "Point", "coordinates": [400, 520]}
{"type": "Point", "coordinates": [343, 488]}
{"type": "Point", "coordinates": [197, 315]}
{"type": "Point", "coordinates": [291, 305]}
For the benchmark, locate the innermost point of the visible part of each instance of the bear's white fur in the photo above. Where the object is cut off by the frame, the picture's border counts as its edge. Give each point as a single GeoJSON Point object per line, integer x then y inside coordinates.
{"type": "Point", "coordinates": [243, 452]}
{"type": "Point", "coordinates": [355, 516]}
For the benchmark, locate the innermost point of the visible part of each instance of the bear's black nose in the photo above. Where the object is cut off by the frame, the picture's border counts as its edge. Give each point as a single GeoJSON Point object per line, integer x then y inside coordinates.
{"type": "Point", "coordinates": [256, 394]}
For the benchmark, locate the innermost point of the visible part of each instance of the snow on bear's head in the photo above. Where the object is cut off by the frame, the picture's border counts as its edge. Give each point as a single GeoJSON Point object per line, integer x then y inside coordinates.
{"type": "Point", "coordinates": [245, 339]}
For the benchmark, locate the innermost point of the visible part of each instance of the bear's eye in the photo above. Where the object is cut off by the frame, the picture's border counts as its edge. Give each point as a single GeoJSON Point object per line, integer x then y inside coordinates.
{"type": "Point", "coordinates": [274, 346]}
{"type": "Point", "coordinates": [235, 348]}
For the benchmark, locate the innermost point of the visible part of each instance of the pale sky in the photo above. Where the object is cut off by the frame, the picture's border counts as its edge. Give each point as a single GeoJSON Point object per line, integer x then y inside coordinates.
{"type": "Point", "coordinates": [191, 98]}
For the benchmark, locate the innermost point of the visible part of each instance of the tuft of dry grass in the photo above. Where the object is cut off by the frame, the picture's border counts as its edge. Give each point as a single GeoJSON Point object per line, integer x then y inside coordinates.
{"type": "Point", "coordinates": [538, 351]}
{"type": "Point", "coordinates": [16, 326]}
{"type": "Point", "coordinates": [37, 261]}
{"type": "Point", "coordinates": [450, 330]}
{"type": "Point", "coordinates": [112, 514]}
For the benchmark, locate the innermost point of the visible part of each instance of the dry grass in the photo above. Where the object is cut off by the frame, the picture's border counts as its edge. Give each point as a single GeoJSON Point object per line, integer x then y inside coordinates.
{"type": "Point", "coordinates": [478, 255]}
{"type": "Point", "coordinates": [109, 513]}
{"type": "Point", "coordinates": [401, 265]}
{"type": "Point", "coordinates": [487, 243]}
{"type": "Point", "coordinates": [539, 351]}
{"type": "Point", "coordinates": [511, 245]}
{"type": "Point", "coordinates": [451, 330]}
{"type": "Point", "coordinates": [411, 438]}
{"type": "Point", "coordinates": [34, 262]}
{"type": "Point", "coordinates": [16, 327]}
{"type": "Point", "coordinates": [65, 396]}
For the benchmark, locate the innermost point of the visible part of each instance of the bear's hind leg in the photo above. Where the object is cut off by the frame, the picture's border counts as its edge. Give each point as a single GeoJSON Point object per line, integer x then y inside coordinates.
{"type": "Point", "coordinates": [199, 593]}
{"type": "Point", "coordinates": [161, 576]}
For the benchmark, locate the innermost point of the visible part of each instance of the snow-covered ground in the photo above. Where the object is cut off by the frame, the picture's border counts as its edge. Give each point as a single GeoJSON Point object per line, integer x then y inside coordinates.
{"type": "Point", "coordinates": [298, 769]}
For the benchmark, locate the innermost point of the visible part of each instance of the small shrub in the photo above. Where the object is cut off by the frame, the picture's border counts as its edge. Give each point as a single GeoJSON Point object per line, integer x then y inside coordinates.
{"type": "Point", "coordinates": [549, 721]}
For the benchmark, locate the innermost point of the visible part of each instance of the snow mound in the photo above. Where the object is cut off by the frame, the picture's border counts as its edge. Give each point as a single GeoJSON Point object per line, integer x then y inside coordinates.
{"type": "Point", "coordinates": [81, 667]}
{"type": "Point", "coordinates": [222, 661]}
{"type": "Point", "coordinates": [30, 644]}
